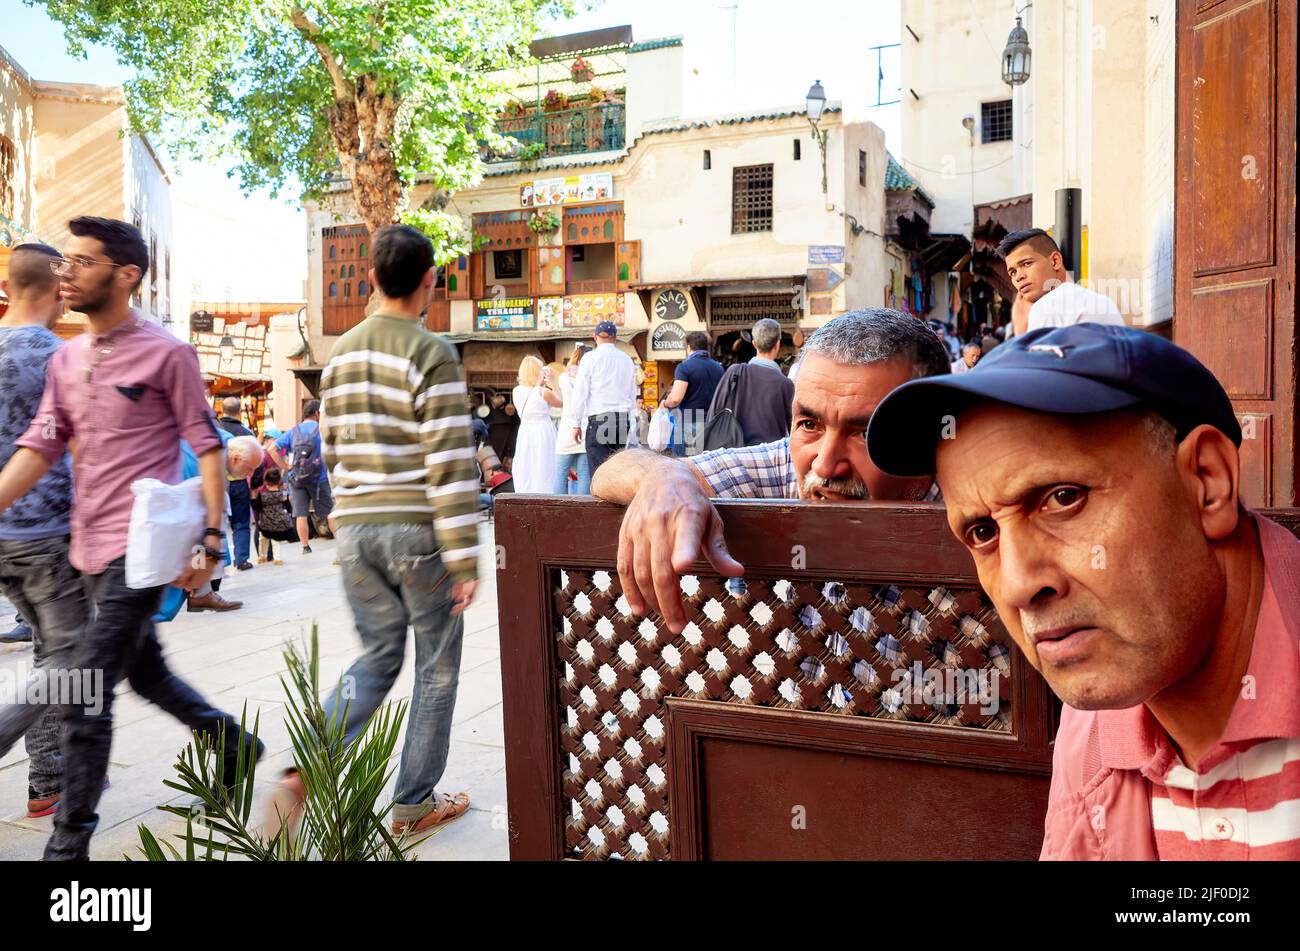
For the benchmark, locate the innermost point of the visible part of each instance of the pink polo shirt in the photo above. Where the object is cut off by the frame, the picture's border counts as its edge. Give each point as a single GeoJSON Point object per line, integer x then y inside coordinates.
{"type": "Point", "coordinates": [1119, 790]}
{"type": "Point", "coordinates": [127, 398]}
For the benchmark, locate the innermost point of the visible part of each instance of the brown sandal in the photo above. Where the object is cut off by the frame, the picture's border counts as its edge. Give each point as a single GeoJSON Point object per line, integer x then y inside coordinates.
{"type": "Point", "coordinates": [448, 807]}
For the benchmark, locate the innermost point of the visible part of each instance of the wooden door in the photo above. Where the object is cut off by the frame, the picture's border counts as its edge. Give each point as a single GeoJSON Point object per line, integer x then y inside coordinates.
{"type": "Point", "coordinates": [1235, 226]}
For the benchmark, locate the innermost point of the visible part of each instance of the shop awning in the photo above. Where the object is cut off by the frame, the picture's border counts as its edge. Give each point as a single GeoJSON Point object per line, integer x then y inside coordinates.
{"type": "Point", "coordinates": [787, 281]}
{"type": "Point", "coordinates": [532, 336]}
{"type": "Point", "coordinates": [937, 252]}
{"type": "Point", "coordinates": [310, 378]}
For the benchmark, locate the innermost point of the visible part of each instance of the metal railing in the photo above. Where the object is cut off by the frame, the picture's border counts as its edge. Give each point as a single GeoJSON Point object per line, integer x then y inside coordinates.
{"type": "Point", "coordinates": [595, 128]}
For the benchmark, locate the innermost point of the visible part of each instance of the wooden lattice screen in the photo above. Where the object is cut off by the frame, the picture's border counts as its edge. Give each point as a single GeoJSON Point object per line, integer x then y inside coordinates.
{"type": "Point", "coordinates": [623, 740]}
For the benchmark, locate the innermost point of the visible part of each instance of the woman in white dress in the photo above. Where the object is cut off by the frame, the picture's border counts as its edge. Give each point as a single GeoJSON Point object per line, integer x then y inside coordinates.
{"type": "Point", "coordinates": [534, 463]}
{"type": "Point", "coordinates": [570, 455]}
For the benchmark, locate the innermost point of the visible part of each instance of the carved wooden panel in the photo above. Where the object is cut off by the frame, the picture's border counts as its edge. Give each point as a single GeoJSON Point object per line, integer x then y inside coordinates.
{"type": "Point", "coordinates": [921, 655]}
{"type": "Point", "coordinates": [1230, 330]}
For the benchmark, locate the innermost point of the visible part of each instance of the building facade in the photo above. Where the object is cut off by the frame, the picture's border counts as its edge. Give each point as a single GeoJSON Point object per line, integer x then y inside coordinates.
{"type": "Point", "coordinates": [1095, 114]}
{"type": "Point", "coordinates": [629, 207]}
{"type": "Point", "coordinates": [65, 151]}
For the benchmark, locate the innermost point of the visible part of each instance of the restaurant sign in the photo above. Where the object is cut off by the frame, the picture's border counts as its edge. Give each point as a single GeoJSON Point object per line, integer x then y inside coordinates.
{"type": "Point", "coordinates": [668, 336]}
{"type": "Point", "coordinates": [506, 313]}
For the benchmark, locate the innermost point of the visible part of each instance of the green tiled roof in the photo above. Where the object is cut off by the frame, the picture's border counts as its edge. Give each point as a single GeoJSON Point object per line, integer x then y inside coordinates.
{"type": "Point", "coordinates": [899, 179]}
{"type": "Point", "coordinates": [655, 44]}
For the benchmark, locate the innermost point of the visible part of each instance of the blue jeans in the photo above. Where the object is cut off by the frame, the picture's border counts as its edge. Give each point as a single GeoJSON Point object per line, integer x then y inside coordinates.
{"type": "Point", "coordinates": [121, 643]}
{"type": "Point", "coordinates": [578, 462]}
{"type": "Point", "coordinates": [240, 508]}
{"type": "Point", "coordinates": [47, 591]}
{"type": "Point", "coordinates": [394, 578]}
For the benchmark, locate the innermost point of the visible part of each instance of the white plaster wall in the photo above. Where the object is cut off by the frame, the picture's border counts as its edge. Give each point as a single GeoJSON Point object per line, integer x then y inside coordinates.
{"type": "Point", "coordinates": [957, 65]}
{"type": "Point", "coordinates": [655, 87]}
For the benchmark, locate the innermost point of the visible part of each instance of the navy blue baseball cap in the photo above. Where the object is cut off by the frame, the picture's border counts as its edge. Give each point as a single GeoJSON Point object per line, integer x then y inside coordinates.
{"type": "Point", "coordinates": [607, 327]}
{"type": "Point", "coordinates": [1083, 368]}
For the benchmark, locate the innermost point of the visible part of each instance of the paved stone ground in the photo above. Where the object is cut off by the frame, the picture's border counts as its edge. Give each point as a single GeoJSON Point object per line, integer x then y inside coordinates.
{"type": "Point", "coordinates": [235, 658]}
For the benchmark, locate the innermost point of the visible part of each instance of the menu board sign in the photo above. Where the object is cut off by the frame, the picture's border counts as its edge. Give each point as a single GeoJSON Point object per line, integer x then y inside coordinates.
{"type": "Point", "coordinates": [506, 313]}
{"type": "Point", "coordinates": [560, 191]}
{"type": "Point", "coordinates": [587, 310]}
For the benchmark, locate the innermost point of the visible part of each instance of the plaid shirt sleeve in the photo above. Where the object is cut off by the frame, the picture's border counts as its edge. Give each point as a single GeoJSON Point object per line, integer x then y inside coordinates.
{"type": "Point", "coordinates": [764, 471]}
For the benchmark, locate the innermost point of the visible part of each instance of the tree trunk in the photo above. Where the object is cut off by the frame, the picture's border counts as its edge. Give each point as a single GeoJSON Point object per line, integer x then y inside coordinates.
{"type": "Point", "coordinates": [362, 121]}
{"type": "Point", "coordinates": [362, 131]}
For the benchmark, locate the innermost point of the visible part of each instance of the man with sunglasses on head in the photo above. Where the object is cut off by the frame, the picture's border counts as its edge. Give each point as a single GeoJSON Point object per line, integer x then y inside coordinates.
{"type": "Point", "coordinates": [127, 392]}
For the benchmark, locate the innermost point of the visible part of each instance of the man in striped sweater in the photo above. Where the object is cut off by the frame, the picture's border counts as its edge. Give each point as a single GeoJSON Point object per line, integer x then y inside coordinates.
{"type": "Point", "coordinates": [400, 456]}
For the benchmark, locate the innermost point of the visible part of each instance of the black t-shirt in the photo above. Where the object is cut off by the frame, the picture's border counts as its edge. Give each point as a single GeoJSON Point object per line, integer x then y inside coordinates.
{"type": "Point", "coordinates": [701, 373]}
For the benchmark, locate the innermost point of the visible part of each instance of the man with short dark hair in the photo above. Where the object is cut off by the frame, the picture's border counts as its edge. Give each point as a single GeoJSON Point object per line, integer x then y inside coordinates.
{"type": "Point", "coordinates": [127, 391]}
{"type": "Point", "coordinates": [307, 475]}
{"type": "Point", "coordinates": [604, 397]}
{"type": "Point", "coordinates": [238, 489]}
{"type": "Point", "coordinates": [398, 443]}
{"type": "Point", "coordinates": [1037, 269]}
{"type": "Point", "coordinates": [848, 365]}
{"type": "Point", "coordinates": [694, 383]}
{"type": "Point", "coordinates": [763, 394]}
{"type": "Point", "coordinates": [1093, 472]}
{"type": "Point", "coordinates": [34, 570]}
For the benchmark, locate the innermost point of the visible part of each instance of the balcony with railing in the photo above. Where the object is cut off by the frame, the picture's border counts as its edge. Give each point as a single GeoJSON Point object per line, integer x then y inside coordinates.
{"type": "Point", "coordinates": [542, 133]}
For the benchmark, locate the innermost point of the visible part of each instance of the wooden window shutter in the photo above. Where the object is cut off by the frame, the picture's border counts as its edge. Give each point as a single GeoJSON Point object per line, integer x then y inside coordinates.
{"type": "Point", "coordinates": [476, 271]}
{"type": "Point", "coordinates": [550, 271]}
{"type": "Point", "coordinates": [629, 264]}
{"type": "Point", "coordinates": [458, 278]}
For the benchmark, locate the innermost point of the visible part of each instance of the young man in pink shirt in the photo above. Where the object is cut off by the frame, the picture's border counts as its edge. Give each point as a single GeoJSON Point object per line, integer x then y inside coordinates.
{"type": "Point", "coordinates": [127, 392]}
{"type": "Point", "coordinates": [1093, 473]}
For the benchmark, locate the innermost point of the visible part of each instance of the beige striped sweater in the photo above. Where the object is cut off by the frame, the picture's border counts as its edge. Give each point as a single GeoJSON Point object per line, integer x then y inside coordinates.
{"type": "Point", "coordinates": [396, 435]}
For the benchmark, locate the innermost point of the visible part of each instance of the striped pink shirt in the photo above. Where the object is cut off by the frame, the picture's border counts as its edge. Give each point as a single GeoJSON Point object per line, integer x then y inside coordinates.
{"type": "Point", "coordinates": [1243, 799]}
{"type": "Point", "coordinates": [1120, 792]}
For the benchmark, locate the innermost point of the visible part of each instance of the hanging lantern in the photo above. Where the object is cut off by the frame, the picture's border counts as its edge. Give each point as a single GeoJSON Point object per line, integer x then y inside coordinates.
{"type": "Point", "coordinates": [1016, 56]}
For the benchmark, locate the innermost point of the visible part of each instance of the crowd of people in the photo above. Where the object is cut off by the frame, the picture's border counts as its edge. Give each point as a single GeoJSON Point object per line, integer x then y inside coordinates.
{"type": "Point", "coordinates": [1073, 433]}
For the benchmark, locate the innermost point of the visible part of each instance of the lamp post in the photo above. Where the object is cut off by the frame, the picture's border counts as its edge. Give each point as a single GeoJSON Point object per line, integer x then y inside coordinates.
{"type": "Point", "coordinates": [816, 103]}
{"type": "Point", "coordinates": [968, 123]}
{"type": "Point", "coordinates": [1016, 55]}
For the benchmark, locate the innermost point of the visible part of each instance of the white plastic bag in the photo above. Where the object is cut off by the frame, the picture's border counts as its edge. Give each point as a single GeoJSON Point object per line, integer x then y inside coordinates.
{"type": "Point", "coordinates": [166, 522]}
{"type": "Point", "coordinates": [660, 436]}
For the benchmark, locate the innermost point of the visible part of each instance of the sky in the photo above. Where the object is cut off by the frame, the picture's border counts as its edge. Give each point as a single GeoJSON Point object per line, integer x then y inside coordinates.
{"type": "Point", "coordinates": [241, 247]}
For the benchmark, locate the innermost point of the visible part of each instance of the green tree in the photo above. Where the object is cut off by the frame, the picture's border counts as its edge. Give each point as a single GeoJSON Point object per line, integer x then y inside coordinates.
{"type": "Point", "coordinates": [309, 92]}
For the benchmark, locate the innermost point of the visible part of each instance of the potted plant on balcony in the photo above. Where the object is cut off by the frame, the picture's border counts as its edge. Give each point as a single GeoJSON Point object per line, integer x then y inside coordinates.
{"type": "Point", "coordinates": [581, 71]}
{"type": "Point", "coordinates": [544, 221]}
{"type": "Point", "coordinates": [596, 95]}
{"type": "Point", "coordinates": [555, 101]}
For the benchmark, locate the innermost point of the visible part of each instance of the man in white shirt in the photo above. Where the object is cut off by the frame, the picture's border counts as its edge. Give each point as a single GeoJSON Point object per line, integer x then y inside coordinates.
{"type": "Point", "coordinates": [1036, 268]}
{"type": "Point", "coordinates": [604, 397]}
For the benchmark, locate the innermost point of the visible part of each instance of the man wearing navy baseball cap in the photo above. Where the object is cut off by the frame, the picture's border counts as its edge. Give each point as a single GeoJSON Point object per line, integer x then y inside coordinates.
{"type": "Point", "coordinates": [1093, 473]}
{"type": "Point", "coordinates": [604, 397]}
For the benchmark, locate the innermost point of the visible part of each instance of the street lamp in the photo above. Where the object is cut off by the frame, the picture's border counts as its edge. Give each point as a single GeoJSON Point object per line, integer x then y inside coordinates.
{"type": "Point", "coordinates": [816, 103]}
{"type": "Point", "coordinates": [227, 350]}
{"type": "Point", "coordinates": [968, 123]}
{"type": "Point", "coordinates": [1016, 56]}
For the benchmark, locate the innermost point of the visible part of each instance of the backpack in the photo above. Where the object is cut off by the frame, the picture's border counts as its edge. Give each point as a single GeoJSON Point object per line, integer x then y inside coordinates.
{"type": "Point", "coordinates": [304, 458]}
{"type": "Point", "coordinates": [723, 429]}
